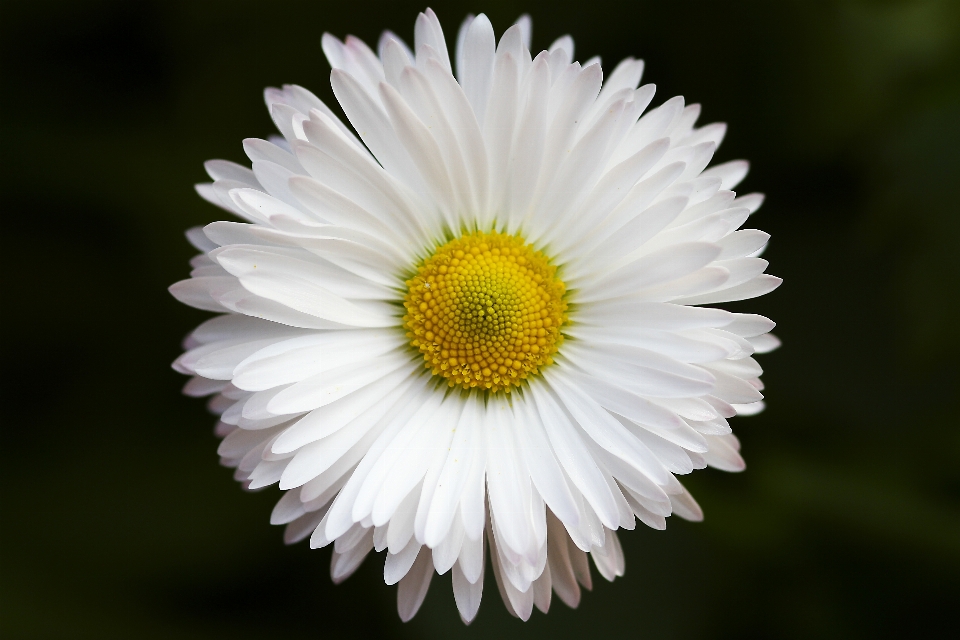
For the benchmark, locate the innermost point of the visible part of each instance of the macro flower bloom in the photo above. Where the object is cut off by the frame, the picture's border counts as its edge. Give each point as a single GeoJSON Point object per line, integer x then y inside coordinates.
{"type": "Point", "coordinates": [474, 325]}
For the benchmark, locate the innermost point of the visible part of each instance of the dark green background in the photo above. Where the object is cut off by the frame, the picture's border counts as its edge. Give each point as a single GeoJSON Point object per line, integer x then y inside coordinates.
{"type": "Point", "coordinates": [117, 521]}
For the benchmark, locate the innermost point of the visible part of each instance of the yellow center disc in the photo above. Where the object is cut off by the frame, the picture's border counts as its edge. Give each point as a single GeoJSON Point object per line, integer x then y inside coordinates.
{"type": "Point", "coordinates": [485, 310]}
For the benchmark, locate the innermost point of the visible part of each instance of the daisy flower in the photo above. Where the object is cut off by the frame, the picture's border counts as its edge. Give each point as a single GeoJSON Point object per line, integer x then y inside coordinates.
{"type": "Point", "coordinates": [470, 328]}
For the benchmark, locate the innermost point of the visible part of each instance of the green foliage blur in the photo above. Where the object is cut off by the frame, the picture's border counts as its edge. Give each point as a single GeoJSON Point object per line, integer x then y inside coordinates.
{"type": "Point", "coordinates": [119, 523]}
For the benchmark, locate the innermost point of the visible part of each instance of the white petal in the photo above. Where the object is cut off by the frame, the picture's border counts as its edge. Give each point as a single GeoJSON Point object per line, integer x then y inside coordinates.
{"type": "Point", "coordinates": [446, 553]}
{"type": "Point", "coordinates": [385, 458]}
{"type": "Point", "coordinates": [369, 119]}
{"type": "Point", "coordinates": [542, 590]}
{"type": "Point", "coordinates": [341, 512]}
{"type": "Point", "coordinates": [476, 70]}
{"type": "Point", "coordinates": [293, 283]}
{"type": "Point", "coordinates": [723, 455]}
{"type": "Point", "coordinates": [218, 364]}
{"type": "Point", "coordinates": [337, 164]}
{"type": "Point", "coordinates": [526, 29]}
{"type": "Point", "coordinates": [560, 136]}
{"type": "Point", "coordinates": [471, 560]}
{"type": "Point", "coordinates": [752, 201]}
{"type": "Point", "coordinates": [226, 170]}
{"type": "Point", "coordinates": [467, 129]}
{"type": "Point", "coordinates": [572, 454]}
{"type": "Point", "coordinates": [332, 417]}
{"type": "Point", "coordinates": [612, 189]}
{"type": "Point", "coordinates": [609, 560]}
{"type": "Point", "coordinates": [742, 243]}
{"type": "Point", "coordinates": [581, 566]}
{"type": "Point", "coordinates": [303, 526]}
{"type": "Point", "coordinates": [274, 149]}
{"type": "Point", "coordinates": [421, 95]}
{"type": "Point", "coordinates": [518, 603]}
{"type": "Point", "coordinates": [606, 431]}
{"type": "Point", "coordinates": [635, 205]}
{"type": "Point", "coordinates": [397, 565]}
{"type": "Point", "coordinates": [458, 49]}
{"type": "Point", "coordinates": [635, 234]}
{"type": "Point", "coordinates": [765, 343]}
{"type": "Point", "coordinates": [561, 570]}
{"type": "Point", "coordinates": [419, 452]}
{"type": "Point", "coordinates": [343, 565]}
{"type": "Point", "coordinates": [466, 594]}
{"type": "Point", "coordinates": [329, 386]}
{"type": "Point", "coordinates": [759, 286]}
{"type": "Point", "coordinates": [303, 357]}
{"type": "Point", "coordinates": [626, 403]}
{"type": "Point", "coordinates": [578, 174]}
{"type": "Point", "coordinates": [400, 529]}
{"type": "Point", "coordinates": [645, 373]}
{"type": "Point", "coordinates": [427, 31]}
{"type": "Point", "coordinates": [288, 509]}
{"type": "Point", "coordinates": [472, 502]}
{"type": "Point", "coordinates": [564, 43]}
{"type": "Point", "coordinates": [526, 154]}
{"type": "Point", "coordinates": [542, 463]}
{"type": "Point", "coordinates": [197, 292]}
{"type": "Point", "coordinates": [626, 75]}
{"type": "Point", "coordinates": [498, 126]}
{"type": "Point", "coordinates": [656, 268]}
{"type": "Point", "coordinates": [197, 238]}
{"type": "Point", "coordinates": [198, 387]}
{"type": "Point", "coordinates": [751, 409]}
{"type": "Point", "coordinates": [317, 457]}
{"type": "Point", "coordinates": [453, 478]}
{"type": "Point", "coordinates": [339, 209]}
{"type": "Point", "coordinates": [731, 173]}
{"type": "Point", "coordinates": [508, 490]}
{"type": "Point", "coordinates": [700, 281]}
{"type": "Point", "coordinates": [423, 150]}
{"type": "Point", "coordinates": [413, 587]}
{"type": "Point", "coordinates": [686, 507]}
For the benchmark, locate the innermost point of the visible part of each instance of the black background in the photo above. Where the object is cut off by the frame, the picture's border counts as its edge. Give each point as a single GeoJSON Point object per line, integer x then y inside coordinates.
{"type": "Point", "coordinates": [119, 523]}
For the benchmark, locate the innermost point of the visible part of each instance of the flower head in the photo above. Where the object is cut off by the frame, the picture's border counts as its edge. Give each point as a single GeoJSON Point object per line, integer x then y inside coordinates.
{"type": "Point", "coordinates": [473, 322]}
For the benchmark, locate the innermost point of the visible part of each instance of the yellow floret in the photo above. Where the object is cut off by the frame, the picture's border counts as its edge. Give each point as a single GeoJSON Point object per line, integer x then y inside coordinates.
{"type": "Point", "coordinates": [485, 310]}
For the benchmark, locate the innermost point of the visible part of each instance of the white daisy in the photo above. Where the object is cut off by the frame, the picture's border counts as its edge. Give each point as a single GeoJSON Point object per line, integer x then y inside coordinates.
{"type": "Point", "coordinates": [472, 324]}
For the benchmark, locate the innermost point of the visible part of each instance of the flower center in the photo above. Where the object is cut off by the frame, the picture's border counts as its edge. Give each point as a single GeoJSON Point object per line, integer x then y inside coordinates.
{"type": "Point", "coordinates": [485, 310]}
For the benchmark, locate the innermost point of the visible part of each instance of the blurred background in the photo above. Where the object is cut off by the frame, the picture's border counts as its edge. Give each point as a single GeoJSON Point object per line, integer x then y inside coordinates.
{"type": "Point", "coordinates": [119, 523]}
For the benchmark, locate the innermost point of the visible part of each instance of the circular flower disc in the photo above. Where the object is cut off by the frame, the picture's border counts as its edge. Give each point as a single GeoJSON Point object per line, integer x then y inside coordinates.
{"type": "Point", "coordinates": [485, 310]}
